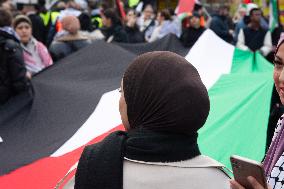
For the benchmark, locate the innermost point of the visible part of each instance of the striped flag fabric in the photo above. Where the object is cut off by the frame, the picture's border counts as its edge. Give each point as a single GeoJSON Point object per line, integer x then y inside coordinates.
{"type": "Point", "coordinates": [185, 6]}
{"type": "Point", "coordinates": [76, 103]}
{"type": "Point", "coordinates": [273, 15]}
{"type": "Point", "coordinates": [240, 86]}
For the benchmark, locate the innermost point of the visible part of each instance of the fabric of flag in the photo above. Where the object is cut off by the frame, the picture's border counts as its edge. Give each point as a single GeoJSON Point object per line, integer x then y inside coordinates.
{"type": "Point", "coordinates": [240, 86]}
{"type": "Point", "coordinates": [247, 1]}
{"type": "Point", "coordinates": [273, 17]}
{"type": "Point", "coordinates": [76, 103]}
{"type": "Point", "coordinates": [121, 9]}
{"type": "Point", "coordinates": [185, 6]}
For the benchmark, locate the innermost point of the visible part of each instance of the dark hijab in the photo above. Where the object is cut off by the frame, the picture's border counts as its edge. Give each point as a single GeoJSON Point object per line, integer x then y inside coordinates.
{"type": "Point", "coordinates": [166, 104]}
{"type": "Point", "coordinates": [164, 92]}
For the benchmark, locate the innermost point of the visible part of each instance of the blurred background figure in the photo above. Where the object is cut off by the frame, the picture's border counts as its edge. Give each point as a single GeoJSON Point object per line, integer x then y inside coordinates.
{"type": "Point", "coordinates": [254, 37]}
{"type": "Point", "coordinates": [13, 77]}
{"type": "Point", "coordinates": [72, 9]}
{"type": "Point", "coordinates": [133, 33]}
{"type": "Point", "coordinates": [69, 40]}
{"type": "Point", "coordinates": [31, 10]}
{"type": "Point", "coordinates": [240, 14]}
{"type": "Point", "coordinates": [164, 26]}
{"type": "Point", "coordinates": [244, 19]}
{"type": "Point", "coordinates": [191, 34]}
{"type": "Point", "coordinates": [36, 55]}
{"type": "Point", "coordinates": [199, 9]}
{"type": "Point", "coordinates": [146, 22]}
{"type": "Point", "coordinates": [7, 5]}
{"type": "Point", "coordinates": [112, 27]}
{"type": "Point", "coordinates": [220, 24]}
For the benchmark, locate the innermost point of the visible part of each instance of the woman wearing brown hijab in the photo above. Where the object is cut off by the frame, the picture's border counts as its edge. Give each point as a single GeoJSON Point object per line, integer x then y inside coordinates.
{"type": "Point", "coordinates": [163, 103]}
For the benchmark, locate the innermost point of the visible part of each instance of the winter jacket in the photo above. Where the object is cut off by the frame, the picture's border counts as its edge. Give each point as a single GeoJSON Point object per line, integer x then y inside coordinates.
{"type": "Point", "coordinates": [36, 56]}
{"type": "Point", "coordinates": [13, 78]}
{"type": "Point", "coordinates": [190, 35]}
{"type": "Point", "coordinates": [220, 25]}
{"type": "Point", "coordinates": [134, 35]}
{"type": "Point", "coordinates": [115, 33]}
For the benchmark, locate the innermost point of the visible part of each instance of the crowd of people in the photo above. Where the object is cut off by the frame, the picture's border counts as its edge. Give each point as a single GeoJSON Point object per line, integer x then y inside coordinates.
{"type": "Point", "coordinates": [159, 147]}
{"type": "Point", "coordinates": [33, 38]}
{"type": "Point", "coordinates": [47, 35]}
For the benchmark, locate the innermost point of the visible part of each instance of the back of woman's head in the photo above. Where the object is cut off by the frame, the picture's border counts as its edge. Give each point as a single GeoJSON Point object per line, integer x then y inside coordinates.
{"type": "Point", "coordinates": [164, 92]}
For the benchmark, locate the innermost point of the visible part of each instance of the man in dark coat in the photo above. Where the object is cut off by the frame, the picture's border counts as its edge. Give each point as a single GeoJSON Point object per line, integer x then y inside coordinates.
{"type": "Point", "coordinates": [13, 79]}
{"type": "Point", "coordinates": [220, 24]}
{"type": "Point", "coordinates": [254, 37]}
{"type": "Point", "coordinates": [191, 34]}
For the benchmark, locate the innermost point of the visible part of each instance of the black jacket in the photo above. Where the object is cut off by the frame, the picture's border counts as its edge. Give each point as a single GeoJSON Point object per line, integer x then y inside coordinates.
{"type": "Point", "coordinates": [220, 25]}
{"type": "Point", "coordinates": [13, 78]}
{"type": "Point", "coordinates": [134, 35]}
{"type": "Point", "coordinates": [117, 32]}
{"type": "Point", "coordinates": [39, 30]}
{"type": "Point", "coordinates": [190, 35]}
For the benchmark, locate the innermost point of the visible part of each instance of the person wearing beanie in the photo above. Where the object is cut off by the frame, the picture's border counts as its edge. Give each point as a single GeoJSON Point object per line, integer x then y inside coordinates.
{"type": "Point", "coordinates": [191, 34]}
{"type": "Point", "coordinates": [163, 104]}
{"type": "Point", "coordinates": [30, 10]}
{"type": "Point", "coordinates": [13, 77]}
{"type": "Point", "coordinates": [69, 40]}
{"type": "Point", "coordinates": [36, 55]}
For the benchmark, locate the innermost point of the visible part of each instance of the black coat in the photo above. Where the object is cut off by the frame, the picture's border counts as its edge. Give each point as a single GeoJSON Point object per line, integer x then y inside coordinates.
{"type": "Point", "coordinates": [117, 32]}
{"type": "Point", "coordinates": [190, 35]}
{"type": "Point", "coordinates": [39, 30]}
{"type": "Point", "coordinates": [134, 35]}
{"type": "Point", "coordinates": [13, 78]}
{"type": "Point", "coordinates": [220, 25]}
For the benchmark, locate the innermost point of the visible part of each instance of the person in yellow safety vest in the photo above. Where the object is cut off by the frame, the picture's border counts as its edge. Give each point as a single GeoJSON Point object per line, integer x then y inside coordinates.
{"type": "Point", "coordinates": [51, 23]}
{"type": "Point", "coordinates": [97, 21]}
{"type": "Point", "coordinates": [49, 17]}
{"type": "Point", "coordinates": [133, 3]}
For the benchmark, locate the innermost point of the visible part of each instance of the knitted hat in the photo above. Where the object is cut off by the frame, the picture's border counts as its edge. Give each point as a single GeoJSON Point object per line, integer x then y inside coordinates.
{"type": "Point", "coordinates": [21, 18]}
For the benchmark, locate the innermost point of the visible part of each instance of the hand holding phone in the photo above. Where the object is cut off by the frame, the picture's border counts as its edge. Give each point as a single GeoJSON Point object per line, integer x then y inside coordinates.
{"type": "Point", "coordinates": [244, 167]}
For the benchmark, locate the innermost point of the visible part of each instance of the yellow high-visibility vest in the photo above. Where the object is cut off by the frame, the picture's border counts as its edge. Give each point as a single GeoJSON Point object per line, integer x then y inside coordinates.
{"type": "Point", "coordinates": [49, 16]}
{"type": "Point", "coordinates": [133, 3]}
{"type": "Point", "coordinates": [99, 20]}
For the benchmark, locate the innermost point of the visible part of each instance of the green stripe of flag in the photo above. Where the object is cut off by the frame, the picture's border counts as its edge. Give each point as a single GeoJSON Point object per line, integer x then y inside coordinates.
{"type": "Point", "coordinates": [239, 112]}
{"type": "Point", "coordinates": [239, 98]}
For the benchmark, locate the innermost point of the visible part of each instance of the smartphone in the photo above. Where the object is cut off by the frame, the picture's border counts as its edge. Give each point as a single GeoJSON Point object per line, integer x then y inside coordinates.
{"type": "Point", "coordinates": [244, 167]}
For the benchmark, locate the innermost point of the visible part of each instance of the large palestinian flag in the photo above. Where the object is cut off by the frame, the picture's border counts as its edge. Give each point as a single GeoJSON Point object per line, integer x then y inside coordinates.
{"type": "Point", "coordinates": [76, 102]}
